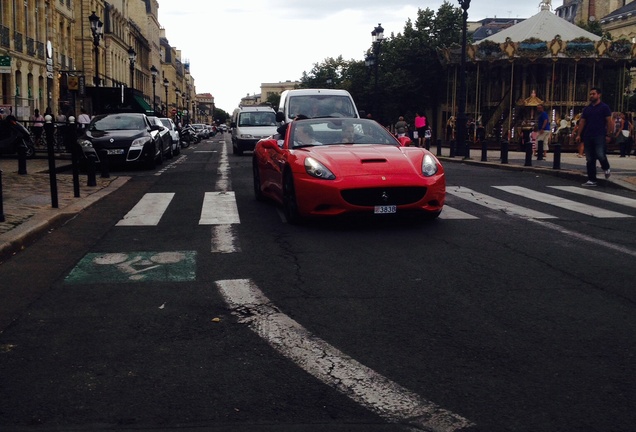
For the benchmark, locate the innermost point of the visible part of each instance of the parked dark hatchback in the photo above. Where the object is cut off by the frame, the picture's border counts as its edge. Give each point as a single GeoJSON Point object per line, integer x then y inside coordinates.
{"type": "Point", "coordinates": [124, 138]}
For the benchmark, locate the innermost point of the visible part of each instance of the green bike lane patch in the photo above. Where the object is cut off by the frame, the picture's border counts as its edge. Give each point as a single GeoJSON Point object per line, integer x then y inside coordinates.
{"type": "Point", "coordinates": [126, 267]}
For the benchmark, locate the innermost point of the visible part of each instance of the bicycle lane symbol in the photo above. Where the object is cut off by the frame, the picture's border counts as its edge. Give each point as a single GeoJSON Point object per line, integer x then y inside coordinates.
{"type": "Point", "coordinates": [177, 266]}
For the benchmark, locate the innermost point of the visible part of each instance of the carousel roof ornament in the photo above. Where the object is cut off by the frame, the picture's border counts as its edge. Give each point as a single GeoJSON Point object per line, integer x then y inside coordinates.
{"type": "Point", "coordinates": [543, 26]}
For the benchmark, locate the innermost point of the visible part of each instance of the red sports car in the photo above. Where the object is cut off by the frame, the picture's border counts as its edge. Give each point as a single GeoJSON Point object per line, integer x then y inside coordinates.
{"type": "Point", "coordinates": [334, 166]}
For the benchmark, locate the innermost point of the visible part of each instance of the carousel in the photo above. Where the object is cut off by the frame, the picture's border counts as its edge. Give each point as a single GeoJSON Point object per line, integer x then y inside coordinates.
{"type": "Point", "coordinates": [543, 60]}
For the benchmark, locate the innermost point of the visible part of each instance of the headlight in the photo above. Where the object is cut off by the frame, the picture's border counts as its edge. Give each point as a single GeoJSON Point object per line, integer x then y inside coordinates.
{"type": "Point", "coordinates": [318, 170]}
{"type": "Point", "coordinates": [429, 165]}
{"type": "Point", "coordinates": [138, 143]}
{"type": "Point", "coordinates": [85, 144]}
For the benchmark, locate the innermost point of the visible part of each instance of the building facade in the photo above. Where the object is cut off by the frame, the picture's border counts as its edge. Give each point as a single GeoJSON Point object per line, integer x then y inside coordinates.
{"type": "Point", "coordinates": [56, 53]}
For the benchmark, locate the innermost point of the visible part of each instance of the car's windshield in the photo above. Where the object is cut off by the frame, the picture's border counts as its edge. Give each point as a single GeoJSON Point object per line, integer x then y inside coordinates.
{"type": "Point", "coordinates": [118, 122]}
{"type": "Point", "coordinates": [257, 118]}
{"type": "Point", "coordinates": [339, 131]}
{"type": "Point", "coordinates": [321, 106]}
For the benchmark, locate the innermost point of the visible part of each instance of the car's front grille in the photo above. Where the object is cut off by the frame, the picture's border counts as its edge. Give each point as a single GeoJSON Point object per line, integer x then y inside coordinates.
{"type": "Point", "coordinates": [384, 196]}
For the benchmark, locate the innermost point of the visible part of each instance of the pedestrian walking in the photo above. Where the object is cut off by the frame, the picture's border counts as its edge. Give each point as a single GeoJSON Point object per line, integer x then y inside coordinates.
{"type": "Point", "coordinates": [401, 127]}
{"type": "Point", "coordinates": [623, 133]}
{"type": "Point", "coordinates": [543, 125]}
{"type": "Point", "coordinates": [420, 124]}
{"type": "Point", "coordinates": [84, 119]}
{"type": "Point", "coordinates": [595, 128]}
{"type": "Point", "coordinates": [38, 125]}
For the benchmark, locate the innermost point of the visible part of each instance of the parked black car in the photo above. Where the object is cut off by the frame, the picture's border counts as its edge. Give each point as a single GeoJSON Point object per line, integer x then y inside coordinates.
{"type": "Point", "coordinates": [164, 136]}
{"type": "Point", "coordinates": [124, 138]}
{"type": "Point", "coordinates": [14, 135]}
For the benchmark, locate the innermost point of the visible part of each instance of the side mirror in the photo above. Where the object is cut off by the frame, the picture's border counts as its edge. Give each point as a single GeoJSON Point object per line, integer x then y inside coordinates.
{"type": "Point", "coordinates": [405, 141]}
{"type": "Point", "coordinates": [280, 116]}
{"type": "Point", "coordinates": [269, 144]}
{"type": "Point", "coordinates": [233, 124]}
{"type": "Point", "coordinates": [155, 127]}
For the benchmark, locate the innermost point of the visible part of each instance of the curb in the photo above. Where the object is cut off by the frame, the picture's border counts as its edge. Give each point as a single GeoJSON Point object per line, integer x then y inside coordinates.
{"type": "Point", "coordinates": [22, 235]}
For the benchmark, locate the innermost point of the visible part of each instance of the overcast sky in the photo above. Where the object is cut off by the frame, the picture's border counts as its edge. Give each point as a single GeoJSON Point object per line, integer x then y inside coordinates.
{"type": "Point", "coordinates": [234, 46]}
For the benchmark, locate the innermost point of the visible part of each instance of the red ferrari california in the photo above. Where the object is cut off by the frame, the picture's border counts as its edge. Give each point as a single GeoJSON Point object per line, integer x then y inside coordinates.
{"type": "Point", "coordinates": [323, 167]}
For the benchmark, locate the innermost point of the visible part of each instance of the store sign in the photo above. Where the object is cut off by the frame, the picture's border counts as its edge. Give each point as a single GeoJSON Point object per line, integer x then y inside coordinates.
{"type": "Point", "coordinates": [5, 64]}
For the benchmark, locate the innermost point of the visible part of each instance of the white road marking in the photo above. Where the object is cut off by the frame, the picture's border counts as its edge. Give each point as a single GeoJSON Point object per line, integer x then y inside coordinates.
{"type": "Point", "coordinates": [495, 204]}
{"type": "Point", "coordinates": [224, 240]}
{"type": "Point", "coordinates": [449, 212]}
{"type": "Point", "coordinates": [562, 202]}
{"type": "Point", "coordinates": [219, 208]}
{"type": "Point", "coordinates": [331, 366]}
{"type": "Point", "coordinates": [616, 199]}
{"type": "Point", "coordinates": [148, 211]}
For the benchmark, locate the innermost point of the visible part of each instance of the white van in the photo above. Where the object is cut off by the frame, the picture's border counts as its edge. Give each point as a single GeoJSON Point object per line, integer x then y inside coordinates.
{"type": "Point", "coordinates": [316, 103]}
{"type": "Point", "coordinates": [251, 124]}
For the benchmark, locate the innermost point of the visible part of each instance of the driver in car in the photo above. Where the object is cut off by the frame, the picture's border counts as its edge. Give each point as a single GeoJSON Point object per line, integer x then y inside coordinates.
{"type": "Point", "coordinates": [305, 136]}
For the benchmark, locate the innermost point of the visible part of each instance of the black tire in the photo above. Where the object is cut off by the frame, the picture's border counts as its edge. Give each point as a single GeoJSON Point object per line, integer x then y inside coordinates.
{"type": "Point", "coordinates": [431, 215]}
{"type": "Point", "coordinates": [178, 149]}
{"type": "Point", "coordinates": [170, 151]}
{"type": "Point", "coordinates": [151, 162]}
{"type": "Point", "coordinates": [290, 202]}
{"type": "Point", "coordinates": [258, 193]}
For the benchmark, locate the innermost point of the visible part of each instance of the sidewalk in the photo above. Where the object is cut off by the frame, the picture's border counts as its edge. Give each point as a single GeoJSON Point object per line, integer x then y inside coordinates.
{"type": "Point", "coordinates": [27, 199]}
{"type": "Point", "coordinates": [28, 211]}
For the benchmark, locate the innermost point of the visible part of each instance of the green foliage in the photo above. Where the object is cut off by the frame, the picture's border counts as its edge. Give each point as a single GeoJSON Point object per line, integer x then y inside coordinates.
{"type": "Point", "coordinates": [409, 71]}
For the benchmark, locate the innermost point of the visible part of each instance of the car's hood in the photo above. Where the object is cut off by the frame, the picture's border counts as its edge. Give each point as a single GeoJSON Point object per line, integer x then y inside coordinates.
{"type": "Point", "coordinates": [98, 135]}
{"type": "Point", "coordinates": [367, 159]}
{"type": "Point", "coordinates": [258, 131]}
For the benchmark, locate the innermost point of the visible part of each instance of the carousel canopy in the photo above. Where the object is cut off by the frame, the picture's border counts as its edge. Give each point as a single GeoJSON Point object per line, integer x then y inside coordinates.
{"type": "Point", "coordinates": [543, 26]}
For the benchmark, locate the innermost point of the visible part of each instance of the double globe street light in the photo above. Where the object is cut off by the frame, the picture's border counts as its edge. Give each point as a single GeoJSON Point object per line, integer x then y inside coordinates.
{"type": "Point", "coordinates": [97, 29]}
{"type": "Point", "coordinates": [373, 60]}
{"type": "Point", "coordinates": [463, 145]}
{"type": "Point", "coordinates": [132, 56]}
{"type": "Point", "coordinates": [154, 72]}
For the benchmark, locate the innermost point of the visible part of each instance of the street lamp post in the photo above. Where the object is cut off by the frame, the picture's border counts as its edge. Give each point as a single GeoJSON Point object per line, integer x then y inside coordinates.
{"type": "Point", "coordinates": [132, 56]}
{"type": "Point", "coordinates": [154, 72]}
{"type": "Point", "coordinates": [463, 145]}
{"type": "Point", "coordinates": [97, 29]}
{"type": "Point", "coordinates": [378, 36]}
{"type": "Point", "coordinates": [166, 84]}
{"type": "Point", "coordinates": [178, 93]}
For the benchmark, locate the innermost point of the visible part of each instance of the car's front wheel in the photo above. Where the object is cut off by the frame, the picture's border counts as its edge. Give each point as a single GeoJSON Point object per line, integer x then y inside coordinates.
{"type": "Point", "coordinates": [151, 161]}
{"type": "Point", "coordinates": [290, 201]}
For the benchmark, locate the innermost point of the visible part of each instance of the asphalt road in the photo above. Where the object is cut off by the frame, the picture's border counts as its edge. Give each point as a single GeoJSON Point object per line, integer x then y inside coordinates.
{"type": "Point", "coordinates": [485, 319]}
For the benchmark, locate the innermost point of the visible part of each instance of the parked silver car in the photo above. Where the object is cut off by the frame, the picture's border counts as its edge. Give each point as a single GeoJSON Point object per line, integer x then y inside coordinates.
{"type": "Point", "coordinates": [174, 134]}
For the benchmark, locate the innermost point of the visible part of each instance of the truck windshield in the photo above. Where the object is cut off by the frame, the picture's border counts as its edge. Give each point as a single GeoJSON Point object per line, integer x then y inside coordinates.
{"type": "Point", "coordinates": [321, 106]}
{"type": "Point", "coordinates": [257, 119]}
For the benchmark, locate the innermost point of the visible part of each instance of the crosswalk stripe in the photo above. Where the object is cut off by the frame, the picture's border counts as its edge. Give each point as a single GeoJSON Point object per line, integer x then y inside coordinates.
{"type": "Point", "coordinates": [616, 199]}
{"type": "Point", "coordinates": [148, 211]}
{"type": "Point", "coordinates": [219, 208]}
{"type": "Point", "coordinates": [562, 202]}
{"type": "Point", "coordinates": [496, 204]}
{"type": "Point", "coordinates": [449, 212]}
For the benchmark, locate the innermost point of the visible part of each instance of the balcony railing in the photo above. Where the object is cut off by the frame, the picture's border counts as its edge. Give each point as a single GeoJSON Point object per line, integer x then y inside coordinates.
{"type": "Point", "coordinates": [30, 46]}
{"type": "Point", "coordinates": [40, 49]}
{"type": "Point", "coordinates": [17, 41]}
{"type": "Point", "coordinates": [4, 37]}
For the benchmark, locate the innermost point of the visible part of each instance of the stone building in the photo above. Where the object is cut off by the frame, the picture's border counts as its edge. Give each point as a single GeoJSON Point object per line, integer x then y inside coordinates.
{"type": "Point", "coordinates": [50, 56]}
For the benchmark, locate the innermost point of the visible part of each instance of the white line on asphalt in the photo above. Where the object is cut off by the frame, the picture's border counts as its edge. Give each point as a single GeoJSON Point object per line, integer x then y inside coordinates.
{"type": "Point", "coordinates": [586, 238]}
{"type": "Point", "coordinates": [449, 212]}
{"type": "Point", "coordinates": [219, 208]}
{"type": "Point", "coordinates": [223, 183]}
{"type": "Point", "coordinates": [496, 204]}
{"type": "Point", "coordinates": [224, 240]}
{"type": "Point", "coordinates": [567, 204]}
{"type": "Point", "coordinates": [334, 368]}
{"type": "Point", "coordinates": [148, 211]}
{"type": "Point", "coordinates": [616, 199]}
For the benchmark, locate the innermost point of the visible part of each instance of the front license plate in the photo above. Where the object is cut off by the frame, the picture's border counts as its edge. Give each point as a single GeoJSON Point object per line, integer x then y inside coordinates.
{"type": "Point", "coordinates": [115, 151]}
{"type": "Point", "coordinates": [385, 209]}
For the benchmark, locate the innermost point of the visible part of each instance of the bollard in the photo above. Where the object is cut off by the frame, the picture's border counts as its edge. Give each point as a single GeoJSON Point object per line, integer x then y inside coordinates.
{"type": "Point", "coordinates": [70, 142]}
{"type": "Point", "coordinates": [556, 164]}
{"type": "Point", "coordinates": [540, 150]}
{"type": "Point", "coordinates": [528, 161]}
{"type": "Point", "coordinates": [439, 147]}
{"type": "Point", "coordinates": [91, 179]}
{"type": "Point", "coordinates": [484, 151]}
{"type": "Point", "coordinates": [22, 158]}
{"type": "Point", "coordinates": [49, 129]}
{"type": "Point", "coordinates": [452, 148]}
{"type": "Point", "coordinates": [1, 199]}
{"type": "Point", "coordinates": [504, 151]}
{"type": "Point", "coordinates": [467, 150]}
{"type": "Point", "coordinates": [103, 163]}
